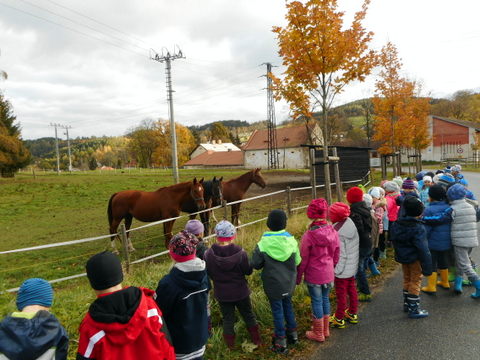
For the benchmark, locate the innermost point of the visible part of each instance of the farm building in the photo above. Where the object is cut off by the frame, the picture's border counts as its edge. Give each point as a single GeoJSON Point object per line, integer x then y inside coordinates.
{"type": "Point", "coordinates": [214, 146]}
{"type": "Point", "coordinates": [289, 140]}
{"type": "Point", "coordinates": [450, 139]}
{"type": "Point", "coordinates": [211, 159]}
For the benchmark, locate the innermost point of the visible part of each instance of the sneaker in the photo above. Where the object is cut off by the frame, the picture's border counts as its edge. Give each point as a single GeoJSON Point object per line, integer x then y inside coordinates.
{"type": "Point", "coordinates": [279, 345]}
{"type": "Point", "coordinates": [292, 337]}
{"type": "Point", "coordinates": [337, 323]}
{"type": "Point", "coordinates": [364, 297]}
{"type": "Point", "coordinates": [351, 318]}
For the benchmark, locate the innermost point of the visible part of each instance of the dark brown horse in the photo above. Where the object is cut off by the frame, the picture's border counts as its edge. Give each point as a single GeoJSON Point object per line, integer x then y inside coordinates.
{"type": "Point", "coordinates": [236, 188]}
{"type": "Point", "coordinates": [148, 206]}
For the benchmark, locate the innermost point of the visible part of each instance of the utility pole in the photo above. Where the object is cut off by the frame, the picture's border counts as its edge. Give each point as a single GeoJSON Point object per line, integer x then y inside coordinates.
{"type": "Point", "coordinates": [56, 147]}
{"type": "Point", "coordinates": [68, 145]}
{"type": "Point", "coordinates": [271, 121]}
{"type": "Point", "coordinates": [168, 58]}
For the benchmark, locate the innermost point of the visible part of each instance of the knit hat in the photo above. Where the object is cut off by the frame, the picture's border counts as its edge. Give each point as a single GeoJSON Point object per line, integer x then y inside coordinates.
{"type": "Point", "coordinates": [437, 192]}
{"type": "Point", "coordinates": [338, 211]}
{"type": "Point", "coordinates": [317, 209]}
{"type": "Point", "coordinates": [398, 180]}
{"type": "Point", "coordinates": [225, 231]}
{"type": "Point", "coordinates": [392, 187]}
{"type": "Point", "coordinates": [439, 172]}
{"type": "Point", "coordinates": [427, 178]}
{"type": "Point", "coordinates": [413, 206]}
{"type": "Point", "coordinates": [408, 184]}
{"type": "Point", "coordinates": [35, 291]}
{"type": "Point", "coordinates": [354, 195]}
{"type": "Point", "coordinates": [195, 227]}
{"type": "Point", "coordinates": [446, 178]}
{"type": "Point", "coordinates": [456, 192]}
{"type": "Point", "coordinates": [375, 192]}
{"type": "Point", "coordinates": [183, 246]}
{"type": "Point", "coordinates": [277, 220]}
{"type": "Point", "coordinates": [104, 270]}
{"type": "Point", "coordinates": [431, 174]}
{"type": "Point", "coordinates": [420, 175]}
{"type": "Point", "coordinates": [368, 200]}
{"type": "Point", "coordinates": [448, 169]}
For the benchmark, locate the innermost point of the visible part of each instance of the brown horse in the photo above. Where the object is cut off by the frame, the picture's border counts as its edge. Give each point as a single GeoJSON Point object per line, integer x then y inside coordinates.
{"type": "Point", "coordinates": [236, 188]}
{"type": "Point", "coordinates": [148, 206]}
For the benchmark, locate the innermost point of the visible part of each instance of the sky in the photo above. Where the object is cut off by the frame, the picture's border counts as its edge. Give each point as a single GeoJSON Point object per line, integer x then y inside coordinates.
{"type": "Point", "coordinates": [86, 64]}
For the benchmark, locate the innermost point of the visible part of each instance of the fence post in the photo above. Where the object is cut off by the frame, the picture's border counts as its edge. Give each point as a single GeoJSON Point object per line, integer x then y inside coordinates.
{"type": "Point", "coordinates": [338, 182]}
{"type": "Point", "coordinates": [126, 253]}
{"type": "Point", "coordinates": [289, 201]}
{"type": "Point", "coordinates": [225, 209]}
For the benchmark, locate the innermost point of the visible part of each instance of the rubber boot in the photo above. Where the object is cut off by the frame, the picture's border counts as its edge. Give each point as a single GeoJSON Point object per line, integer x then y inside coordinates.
{"type": "Point", "coordinates": [405, 302]}
{"type": "Point", "coordinates": [458, 285]}
{"type": "Point", "coordinates": [476, 294]}
{"type": "Point", "coordinates": [383, 255]}
{"type": "Point", "coordinates": [279, 345]}
{"type": "Point", "coordinates": [255, 335]}
{"type": "Point", "coordinates": [229, 340]}
{"type": "Point", "coordinates": [414, 311]}
{"type": "Point", "coordinates": [326, 326]}
{"type": "Point", "coordinates": [292, 336]}
{"type": "Point", "coordinates": [318, 332]}
{"type": "Point", "coordinates": [431, 287]}
{"type": "Point", "coordinates": [444, 279]}
{"type": "Point", "coordinates": [451, 274]}
{"type": "Point", "coordinates": [373, 268]}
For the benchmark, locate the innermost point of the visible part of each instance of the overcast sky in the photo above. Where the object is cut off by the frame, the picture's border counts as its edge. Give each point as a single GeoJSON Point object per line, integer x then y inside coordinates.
{"type": "Point", "coordinates": [90, 69]}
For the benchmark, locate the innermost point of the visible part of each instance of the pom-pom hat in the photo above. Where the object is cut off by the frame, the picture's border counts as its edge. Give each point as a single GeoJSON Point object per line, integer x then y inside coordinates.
{"type": "Point", "coordinates": [317, 209]}
{"type": "Point", "coordinates": [338, 212]}
{"type": "Point", "coordinates": [34, 291]}
{"type": "Point", "coordinates": [354, 195]}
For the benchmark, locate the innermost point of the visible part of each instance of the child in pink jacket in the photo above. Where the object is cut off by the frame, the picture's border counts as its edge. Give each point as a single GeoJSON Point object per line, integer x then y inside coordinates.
{"type": "Point", "coordinates": [320, 251]}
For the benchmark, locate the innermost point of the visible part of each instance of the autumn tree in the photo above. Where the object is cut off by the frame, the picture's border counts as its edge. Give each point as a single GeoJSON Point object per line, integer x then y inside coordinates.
{"type": "Point", "coordinates": [185, 144]}
{"type": "Point", "coordinates": [321, 56]}
{"type": "Point", "coordinates": [218, 131]}
{"type": "Point", "coordinates": [144, 140]}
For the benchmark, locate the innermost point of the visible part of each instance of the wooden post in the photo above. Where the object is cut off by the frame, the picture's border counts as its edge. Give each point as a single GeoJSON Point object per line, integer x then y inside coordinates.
{"type": "Point", "coordinates": [383, 164]}
{"type": "Point", "coordinates": [126, 253]}
{"type": "Point", "coordinates": [225, 209]}
{"type": "Point", "coordinates": [337, 176]}
{"type": "Point", "coordinates": [289, 201]}
{"type": "Point", "coordinates": [313, 173]}
{"type": "Point", "coordinates": [33, 172]}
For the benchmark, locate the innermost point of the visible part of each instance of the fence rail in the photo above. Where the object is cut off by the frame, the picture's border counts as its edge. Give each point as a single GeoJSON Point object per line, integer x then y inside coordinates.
{"type": "Point", "coordinates": [123, 234]}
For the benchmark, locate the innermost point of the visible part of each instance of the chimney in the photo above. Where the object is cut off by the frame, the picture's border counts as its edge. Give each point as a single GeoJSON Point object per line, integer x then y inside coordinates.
{"type": "Point", "coordinates": [219, 141]}
{"type": "Point", "coordinates": [213, 142]}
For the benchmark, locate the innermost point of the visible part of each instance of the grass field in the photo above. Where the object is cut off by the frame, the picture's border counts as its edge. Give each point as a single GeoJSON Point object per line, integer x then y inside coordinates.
{"type": "Point", "coordinates": [54, 208]}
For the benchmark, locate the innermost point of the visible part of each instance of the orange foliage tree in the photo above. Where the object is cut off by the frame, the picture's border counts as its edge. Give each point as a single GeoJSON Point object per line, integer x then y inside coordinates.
{"type": "Point", "coordinates": [321, 57]}
{"type": "Point", "coordinates": [162, 155]}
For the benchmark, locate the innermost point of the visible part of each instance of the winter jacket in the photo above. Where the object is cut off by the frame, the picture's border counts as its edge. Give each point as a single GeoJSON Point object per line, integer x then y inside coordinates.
{"type": "Point", "coordinates": [464, 225]}
{"type": "Point", "coordinates": [319, 250]}
{"type": "Point", "coordinates": [379, 206]}
{"type": "Point", "coordinates": [400, 200]}
{"type": "Point", "coordinates": [423, 193]}
{"type": "Point", "coordinates": [375, 234]}
{"type": "Point", "coordinates": [227, 267]}
{"type": "Point", "coordinates": [278, 255]}
{"type": "Point", "coordinates": [362, 218]}
{"type": "Point", "coordinates": [348, 262]}
{"type": "Point", "coordinates": [410, 242]}
{"type": "Point", "coordinates": [29, 336]}
{"type": "Point", "coordinates": [126, 324]}
{"type": "Point", "coordinates": [182, 296]}
{"type": "Point", "coordinates": [438, 234]}
{"type": "Point", "coordinates": [392, 206]}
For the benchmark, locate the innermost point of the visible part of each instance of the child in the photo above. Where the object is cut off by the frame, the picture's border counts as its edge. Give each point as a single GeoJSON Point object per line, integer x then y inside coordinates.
{"type": "Point", "coordinates": [182, 296]}
{"type": "Point", "coordinates": [346, 267]}
{"type": "Point", "coordinates": [464, 237]}
{"type": "Point", "coordinates": [319, 251]}
{"type": "Point", "coordinates": [439, 238]}
{"type": "Point", "coordinates": [379, 205]}
{"type": "Point", "coordinates": [278, 254]}
{"type": "Point", "coordinates": [122, 323]}
{"type": "Point", "coordinates": [392, 191]}
{"type": "Point", "coordinates": [196, 228]}
{"type": "Point", "coordinates": [427, 182]}
{"type": "Point", "coordinates": [33, 332]}
{"type": "Point", "coordinates": [227, 265]}
{"type": "Point", "coordinates": [411, 250]}
{"type": "Point", "coordinates": [362, 218]}
{"type": "Point", "coordinates": [408, 189]}
{"type": "Point", "coordinates": [375, 234]}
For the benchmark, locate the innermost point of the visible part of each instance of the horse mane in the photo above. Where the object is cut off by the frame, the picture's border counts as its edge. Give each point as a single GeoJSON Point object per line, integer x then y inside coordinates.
{"type": "Point", "coordinates": [174, 186]}
{"type": "Point", "coordinates": [207, 186]}
{"type": "Point", "coordinates": [241, 176]}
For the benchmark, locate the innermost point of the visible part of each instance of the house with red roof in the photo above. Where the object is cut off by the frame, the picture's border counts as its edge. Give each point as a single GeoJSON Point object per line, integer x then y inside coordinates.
{"type": "Point", "coordinates": [216, 159]}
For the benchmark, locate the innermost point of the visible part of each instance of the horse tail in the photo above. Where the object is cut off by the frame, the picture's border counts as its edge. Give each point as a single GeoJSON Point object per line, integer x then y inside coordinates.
{"type": "Point", "coordinates": [109, 210]}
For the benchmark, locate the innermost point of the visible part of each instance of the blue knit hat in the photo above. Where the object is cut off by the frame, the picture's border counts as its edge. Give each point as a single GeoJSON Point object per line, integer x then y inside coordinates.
{"type": "Point", "coordinates": [456, 192]}
{"type": "Point", "coordinates": [34, 291]}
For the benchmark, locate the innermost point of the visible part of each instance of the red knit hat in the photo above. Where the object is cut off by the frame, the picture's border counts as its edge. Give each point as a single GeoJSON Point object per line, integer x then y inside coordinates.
{"type": "Point", "coordinates": [338, 211]}
{"type": "Point", "coordinates": [317, 209]}
{"type": "Point", "coordinates": [354, 195]}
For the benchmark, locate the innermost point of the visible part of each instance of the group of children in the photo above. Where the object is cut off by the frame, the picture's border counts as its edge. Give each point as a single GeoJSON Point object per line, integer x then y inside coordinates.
{"type": "Point", "coordinates": [341, 242]}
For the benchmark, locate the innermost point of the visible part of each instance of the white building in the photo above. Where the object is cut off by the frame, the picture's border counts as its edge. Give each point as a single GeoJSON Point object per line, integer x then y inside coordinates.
{"type": "Point", "coordinates": [290, 154]}
{"type": "Point", "coordinates": [214, 146]}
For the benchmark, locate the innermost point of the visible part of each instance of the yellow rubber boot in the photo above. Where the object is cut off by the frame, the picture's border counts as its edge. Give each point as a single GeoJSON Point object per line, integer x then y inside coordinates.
{"type": "Point", "coordinates": [431, 287]}
{"type": "Point", "coordinates": [444, 279]}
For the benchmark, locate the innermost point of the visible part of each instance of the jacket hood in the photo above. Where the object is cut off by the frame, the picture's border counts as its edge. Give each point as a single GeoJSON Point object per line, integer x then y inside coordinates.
{"type": "Point", "coordinates": [122, 314]}
{"type": "Point", "coordinates": [190, 274]}
{"type": "Point", "coordinates": [360, 208]}
{"type": "Point", "coordinates": [347, 228]}
{"type": "Point", "coordinates": [226, 257]}
{"type": "Point", "coordinates": [322, 236]}
{"type": "Point", "coordinates": [279, 245]}
{"type": "Point", "coordinates": [29, 337]}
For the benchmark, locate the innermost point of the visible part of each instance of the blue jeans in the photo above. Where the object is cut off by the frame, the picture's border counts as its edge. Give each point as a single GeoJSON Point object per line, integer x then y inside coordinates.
{"type": "Point", "coordinates": [320, 301]}
{"type": "Point", "coordinates": [361, 277]}
{"type": "Point", "coordinates": [282, 312]}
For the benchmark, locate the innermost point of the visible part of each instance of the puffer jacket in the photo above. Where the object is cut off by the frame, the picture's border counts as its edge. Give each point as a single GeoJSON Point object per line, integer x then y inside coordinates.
{"type": "Point", "coordinates": [348, 262]}
{"type": "Point", "coordinates": [423, 193]}
{"type": "Point", "coordinates": [392, 206]}
{"type": "Point", "coordinates": [319, 250]}
{"type": "Point", "coordinates": [464, 225]}
{"type": "Point", "coordinates": [380, 206]}
{"type": "Point", "coordinates": [362, 218]}
{"type": "Point", "coordinates": [438, 233]}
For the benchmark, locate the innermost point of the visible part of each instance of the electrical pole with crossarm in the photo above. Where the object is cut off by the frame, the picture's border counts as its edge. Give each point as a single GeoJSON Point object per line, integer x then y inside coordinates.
{"type": "Point", "coordinates": [167, 58]}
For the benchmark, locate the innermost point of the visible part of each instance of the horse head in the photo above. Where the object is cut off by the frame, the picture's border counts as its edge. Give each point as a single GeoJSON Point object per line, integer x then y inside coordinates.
{"type": "Point", "coordinates": [258, 179]}
{"type": "Point", "coordinates": [217, 195]}
{"type": "Point", "coordinates": [196, 192]}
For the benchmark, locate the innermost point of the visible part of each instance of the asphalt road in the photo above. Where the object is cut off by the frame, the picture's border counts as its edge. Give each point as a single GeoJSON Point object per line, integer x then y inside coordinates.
{"type": "Point", "coordinates": [452, 331]}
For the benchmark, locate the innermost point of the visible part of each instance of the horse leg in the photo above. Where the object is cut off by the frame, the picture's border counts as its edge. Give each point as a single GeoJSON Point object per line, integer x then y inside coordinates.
{"type": "Point", "coordinates": [191, 217]}
{"type": "Point", "coordinates": [113, 231]}
{"type": "Point", "coordinates": [167, 231]}
{"type": "Point", "coordinates": [128, 223]}
{"type": "Point", "coordinates": [206, 222]}
{"type": "Point", "coordinates": [235, 213]}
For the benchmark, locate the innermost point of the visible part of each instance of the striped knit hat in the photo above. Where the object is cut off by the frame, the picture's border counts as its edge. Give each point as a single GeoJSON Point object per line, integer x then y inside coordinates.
{"type": "Point", "coordinates": [35, 291]}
